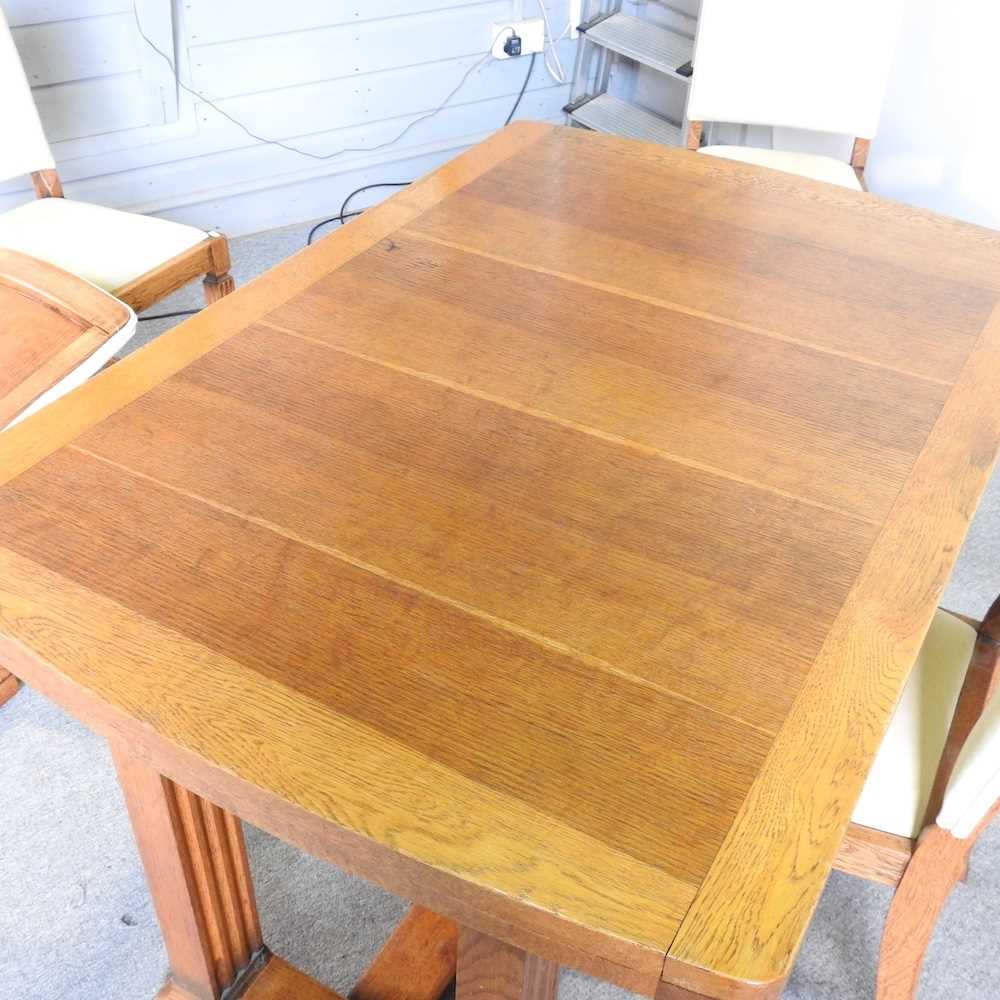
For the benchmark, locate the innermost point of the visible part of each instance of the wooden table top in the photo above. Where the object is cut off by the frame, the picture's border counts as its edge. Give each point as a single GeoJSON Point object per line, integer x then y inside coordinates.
{"type": "Point", "coordinates": [550, 545]}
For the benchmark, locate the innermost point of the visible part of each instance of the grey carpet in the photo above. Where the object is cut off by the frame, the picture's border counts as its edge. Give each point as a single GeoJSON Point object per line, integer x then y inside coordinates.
{"type": "Point", "coordinates": [76, 921]}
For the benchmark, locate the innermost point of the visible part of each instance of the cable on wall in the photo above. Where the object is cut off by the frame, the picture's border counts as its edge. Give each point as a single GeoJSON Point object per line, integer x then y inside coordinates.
{"type": "Point", "coordinates": [296, 149]}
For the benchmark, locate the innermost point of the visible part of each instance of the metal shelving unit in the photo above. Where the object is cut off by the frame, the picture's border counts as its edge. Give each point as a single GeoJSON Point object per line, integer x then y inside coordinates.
{"type": "Point", "coordinates": [610, 34]}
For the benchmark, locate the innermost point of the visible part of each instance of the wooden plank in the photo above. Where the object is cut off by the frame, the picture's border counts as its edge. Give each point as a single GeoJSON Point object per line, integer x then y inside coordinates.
{"type": "Point", "coordinates": [53, 321]}
{"type": "Point", "coordinates": [229, 20]}
{"type": "Point", "coordinates": [491, 970]}
{"type": "Point", "coordinates": [77, 49]}
{"type": "Point", "coordinates": [22, 12]}
{"type": "Point", "coordinates": [416, 963]}
{"type": "Point", "coordinates": [292, 59]}
{"type": "Point", "coordinates": [576, 899]}
{"type": "Point", "coordinates": [833, 431]}
{"type": "Point", "coordinates": [790, 825]}
{"type": "Point", "coordinates": [58, 424]}
{"type": "Point", "coordinates": [873, 854]}
{"type": "Point", "coordinates": [539, 728]}
{"type": "Point", "coordinates": [280, 981]}
{"type": "Point", "coordinates": [80, 108]}
{"type": "Point", "coordinates": [632, 597]}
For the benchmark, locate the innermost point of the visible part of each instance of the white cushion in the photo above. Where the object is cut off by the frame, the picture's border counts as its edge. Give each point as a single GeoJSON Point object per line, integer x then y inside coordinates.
{"type": "Point", "coordinates": [105, 246]}
{"type": "Point", "coordinates": [975, 781]}
{"type": "Point", "coordinates": [819, 168]}
{"type": "Point", "coordinates": [896, 793]}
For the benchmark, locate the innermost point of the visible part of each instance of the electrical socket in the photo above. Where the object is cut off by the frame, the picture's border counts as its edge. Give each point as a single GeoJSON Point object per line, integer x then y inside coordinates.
{"type": "Point", "coordinates": [531, 30]}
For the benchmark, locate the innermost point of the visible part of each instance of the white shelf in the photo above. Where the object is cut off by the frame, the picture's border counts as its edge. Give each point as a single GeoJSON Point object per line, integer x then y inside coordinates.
{"type": "Point", "coordinates": [646, 43]}
{"type": "Point", "coordinates": [610, 114]}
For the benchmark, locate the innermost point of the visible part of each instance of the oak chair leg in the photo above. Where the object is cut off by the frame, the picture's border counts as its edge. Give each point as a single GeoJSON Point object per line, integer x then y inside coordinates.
{"type": "Point", "coordinates": [489, 969]}
{"type": "Point", "coordinates": [939, 862]}
{"type": "Point", "coordinates": [196, 865]}
{"type": "Point", "coordinates": [8, 685]}
{"type": "Point", "coordinates": [218, 282]}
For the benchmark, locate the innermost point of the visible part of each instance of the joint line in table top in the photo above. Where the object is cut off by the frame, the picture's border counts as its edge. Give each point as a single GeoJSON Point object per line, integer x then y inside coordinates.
{"type": "Point", "coordinates": [531, 411]}
{"type": "Point", "coordinates": [536, 637]}
{"type": "Point", "coordinates": [671, 306]}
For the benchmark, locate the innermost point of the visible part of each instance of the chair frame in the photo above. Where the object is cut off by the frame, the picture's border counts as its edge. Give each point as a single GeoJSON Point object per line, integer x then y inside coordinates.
{"type": "Point", "coordinates": [209, 258]}
{"type": "Point", "coordinates": [925, 870]}
{"type": "Point", "coordinates": [859, 150]}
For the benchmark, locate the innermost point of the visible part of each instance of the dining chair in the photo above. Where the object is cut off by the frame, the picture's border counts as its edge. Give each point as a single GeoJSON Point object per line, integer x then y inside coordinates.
{"type": "Point", "coordinates": [933, 789]}
{"type": "Point", "coordinates": [820, 67]}
{"type": "Point", "coordinates": [140, 259]}
{"type": "Point", "coordinates": [56, 331]}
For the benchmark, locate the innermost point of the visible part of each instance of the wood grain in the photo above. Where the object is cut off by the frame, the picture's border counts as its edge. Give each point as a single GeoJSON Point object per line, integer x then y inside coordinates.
{"type": "Point", "coordinates": [873, 854]}
{"type": "Point", "coordinates": [103, 395]}
{"type": "Point", "coordinates": [46, 184]}
{"type": "Point", "coordinates": [8, 685]}
{"type": "Point", "coordinates": [196, 866]}
{"type": "Point", "coordinates": [52, 322]}
{"type": "Point", "coordinates": [149, 288]}
{"type": "Point", "coordinates": [939, 863]}
{"type": "Point", "coordinates": [794, 818]}
{"type": "Point", "coordinates": [491, 970]}
{"type": "Point", "coordinates": [575, 616]}
{"type": "Point", "coordinates": [280, 981]}
{"type": "Point", "coordinates": [416, 963]}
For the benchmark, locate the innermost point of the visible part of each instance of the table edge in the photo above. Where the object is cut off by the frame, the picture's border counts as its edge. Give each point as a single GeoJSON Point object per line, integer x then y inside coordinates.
{"type": "Point", "coordinates": [862, 637]}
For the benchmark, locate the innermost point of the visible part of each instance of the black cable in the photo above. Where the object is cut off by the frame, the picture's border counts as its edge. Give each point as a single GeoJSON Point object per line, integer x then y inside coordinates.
{"type": "Point", "coordinates": [368, 187]}
{"type": "Point", "coordinates": [343, 215]}
{"type": "Point", "coordinates": [524, 87]}
{"type": "Point", "coordinates": [326, 222]}
{"type": "Point", "coordinates": [181, 312]}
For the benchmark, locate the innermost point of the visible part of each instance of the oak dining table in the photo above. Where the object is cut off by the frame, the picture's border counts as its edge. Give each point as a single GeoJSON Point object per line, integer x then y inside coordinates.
{"type": "Point", "coordinates": [550, 546]}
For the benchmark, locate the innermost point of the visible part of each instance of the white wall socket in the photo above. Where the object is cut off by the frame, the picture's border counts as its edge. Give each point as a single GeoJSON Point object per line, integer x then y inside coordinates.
{"type": "Point", "coordinates": [531, 30]}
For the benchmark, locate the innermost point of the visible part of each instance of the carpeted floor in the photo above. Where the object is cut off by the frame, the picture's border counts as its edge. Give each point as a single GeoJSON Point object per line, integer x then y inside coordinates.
{"type": "Point", "coordinates": [76, 921]}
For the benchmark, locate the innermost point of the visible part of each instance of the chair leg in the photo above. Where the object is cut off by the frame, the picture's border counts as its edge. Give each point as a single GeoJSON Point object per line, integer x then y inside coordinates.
{"type": "Point", "coordinates": [8, 685]}
{"type": "Point", "coordinates": [218, 282]}
{"type": "Point", "coordinates": [939, 862]}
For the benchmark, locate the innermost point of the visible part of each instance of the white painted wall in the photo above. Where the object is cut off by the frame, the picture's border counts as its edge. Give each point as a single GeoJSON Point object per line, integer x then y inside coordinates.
{"type": "Point", "coordinates": [322, 75]}
{"type": "Point", "coordinates": [938, 143]}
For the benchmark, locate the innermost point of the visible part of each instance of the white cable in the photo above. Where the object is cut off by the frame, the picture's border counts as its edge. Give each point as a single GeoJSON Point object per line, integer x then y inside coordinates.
{"type": "Point", "coordinates": [558, 73]}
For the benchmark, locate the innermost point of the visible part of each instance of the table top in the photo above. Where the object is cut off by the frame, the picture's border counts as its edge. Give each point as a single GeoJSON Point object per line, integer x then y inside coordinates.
{"type": "Point", "coordinates": [550, 545]}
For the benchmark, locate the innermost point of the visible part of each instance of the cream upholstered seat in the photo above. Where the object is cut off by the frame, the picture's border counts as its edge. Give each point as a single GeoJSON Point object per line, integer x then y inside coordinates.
{"type": "Point", "coordinates": [107, 247]}
{"type": "Point", "coordinates": [899, 784]}
{"type": "Point", "coordinates": [138, 257]}
{"type": "Point", "coordinates": [819, 168]}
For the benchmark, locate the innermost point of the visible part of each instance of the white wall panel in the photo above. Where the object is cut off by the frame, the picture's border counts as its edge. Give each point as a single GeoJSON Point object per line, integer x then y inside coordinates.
{"type": "Point", "coordinates": [320, 74]}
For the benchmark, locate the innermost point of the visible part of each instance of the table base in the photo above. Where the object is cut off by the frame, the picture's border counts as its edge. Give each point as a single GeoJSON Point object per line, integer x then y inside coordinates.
{"type": "Point", "coordinates": [199, 877]}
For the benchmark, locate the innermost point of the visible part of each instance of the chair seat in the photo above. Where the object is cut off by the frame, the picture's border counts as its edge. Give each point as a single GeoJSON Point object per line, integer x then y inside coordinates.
{"type": "Point", "coordinates": [107, 247]}
{"type": "Point", "coordinates": [896, 793]}
{"type": "Point", "coordinates": [819, 168]}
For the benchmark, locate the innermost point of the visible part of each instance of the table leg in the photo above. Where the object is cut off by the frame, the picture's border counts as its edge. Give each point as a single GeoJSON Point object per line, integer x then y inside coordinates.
{"type": "Point", "coordinates": [488, 969]}
{"type": "Point", "coordinates": [199, 878]}
{"type": "Point", "coordinates": [8, 685]}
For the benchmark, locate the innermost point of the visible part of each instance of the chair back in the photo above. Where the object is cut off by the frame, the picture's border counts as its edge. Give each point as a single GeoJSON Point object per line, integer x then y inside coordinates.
{"type": "Point", "coordinates": [820, 65]}
{"type": "Point", "coordinates": [23, 148]}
